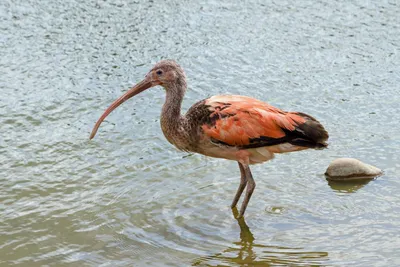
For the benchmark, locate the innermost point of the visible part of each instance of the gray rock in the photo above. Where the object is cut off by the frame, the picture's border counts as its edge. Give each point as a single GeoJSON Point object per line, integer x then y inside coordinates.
{"type": "Point", "coordinates": [351, 169]}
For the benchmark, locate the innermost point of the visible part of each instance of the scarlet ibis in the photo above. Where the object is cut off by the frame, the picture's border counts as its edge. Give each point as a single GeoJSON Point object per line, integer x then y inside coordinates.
{"type": "Point", "coordinates": [232, 127]}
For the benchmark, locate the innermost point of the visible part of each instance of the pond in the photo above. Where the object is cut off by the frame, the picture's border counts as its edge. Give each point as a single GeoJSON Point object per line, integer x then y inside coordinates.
{"type": "Point", "coordinates": [129, 198]}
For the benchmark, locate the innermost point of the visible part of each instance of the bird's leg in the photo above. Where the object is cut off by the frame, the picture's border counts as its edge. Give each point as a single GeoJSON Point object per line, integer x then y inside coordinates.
{"type": "Point", "coordinates": [249, 191]}
{"type": "Point", "coordinates": [243, 182]}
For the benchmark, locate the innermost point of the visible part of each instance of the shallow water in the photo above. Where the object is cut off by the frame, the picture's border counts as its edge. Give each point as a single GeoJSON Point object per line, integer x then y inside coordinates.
{"type": "Point", "coordinates": [128, 198]}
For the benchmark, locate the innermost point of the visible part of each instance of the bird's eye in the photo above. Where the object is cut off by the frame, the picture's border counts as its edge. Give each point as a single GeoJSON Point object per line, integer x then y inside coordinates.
{"type": "Point", "coordinates": [159, 72]}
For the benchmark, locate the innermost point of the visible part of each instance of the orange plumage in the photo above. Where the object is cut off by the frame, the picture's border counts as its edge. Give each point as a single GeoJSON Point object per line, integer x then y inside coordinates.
{"type": "Point", "coordinates": [238, 119]}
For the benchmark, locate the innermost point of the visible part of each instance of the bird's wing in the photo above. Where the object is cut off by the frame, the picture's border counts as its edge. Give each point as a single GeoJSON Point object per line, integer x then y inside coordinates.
{"type": "Point", "coordinates": [247, 122]}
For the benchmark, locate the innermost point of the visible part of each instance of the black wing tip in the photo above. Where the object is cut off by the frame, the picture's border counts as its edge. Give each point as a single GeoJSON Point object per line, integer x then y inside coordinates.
{"type": "Point", "coordinates": [312, 130]}
{"type": "Point", "coordinates": [321, 146]}
{"type": "Point", "coordinates": [308, 143]}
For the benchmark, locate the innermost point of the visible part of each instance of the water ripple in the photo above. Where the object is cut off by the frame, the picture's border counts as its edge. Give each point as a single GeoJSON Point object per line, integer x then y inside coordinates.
{"type": "Point", "coordinates": [129, 198]}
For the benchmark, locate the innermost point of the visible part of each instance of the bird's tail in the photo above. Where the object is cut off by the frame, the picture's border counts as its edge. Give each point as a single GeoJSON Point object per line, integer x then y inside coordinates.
{"type": "Point", "coordinates": [310, 134]}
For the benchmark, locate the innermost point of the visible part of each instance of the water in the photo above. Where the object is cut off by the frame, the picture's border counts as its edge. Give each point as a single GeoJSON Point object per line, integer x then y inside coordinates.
{"type": "Point", "coordinates": [128, 198]}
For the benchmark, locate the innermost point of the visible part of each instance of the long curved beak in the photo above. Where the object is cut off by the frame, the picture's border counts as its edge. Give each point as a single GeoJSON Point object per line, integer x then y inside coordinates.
{"type": "Point", "coordinates": [138, 88]}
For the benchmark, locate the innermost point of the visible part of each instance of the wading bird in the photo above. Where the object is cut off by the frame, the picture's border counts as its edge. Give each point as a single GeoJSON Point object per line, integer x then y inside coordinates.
{"type": "Point", "coordinates": [232, 127]}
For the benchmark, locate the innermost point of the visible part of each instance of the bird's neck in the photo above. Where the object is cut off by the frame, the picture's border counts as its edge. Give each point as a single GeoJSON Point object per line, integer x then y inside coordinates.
{"type": "Point", "coordinates": [171, 119]}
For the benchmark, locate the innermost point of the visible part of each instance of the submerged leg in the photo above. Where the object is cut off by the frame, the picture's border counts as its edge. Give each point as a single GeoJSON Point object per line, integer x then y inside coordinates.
{"type": "Point", "coordinates": [243, 182]}
{"type": "Point", "coordinates": [249, 191]}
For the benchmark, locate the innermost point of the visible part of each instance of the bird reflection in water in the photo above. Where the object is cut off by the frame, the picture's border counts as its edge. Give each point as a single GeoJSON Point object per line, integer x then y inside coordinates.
{"type": "Point", "coordinates": [246, 252]}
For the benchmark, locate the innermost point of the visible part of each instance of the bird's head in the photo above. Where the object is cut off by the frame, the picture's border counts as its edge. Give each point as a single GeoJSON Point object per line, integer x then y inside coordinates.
{"type": "Point", "coordinates": [166, 73]}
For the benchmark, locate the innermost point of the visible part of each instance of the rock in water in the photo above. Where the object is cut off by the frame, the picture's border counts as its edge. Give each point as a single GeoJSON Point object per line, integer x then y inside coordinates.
{"type": "Point", "coordinates": [351, 169]}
